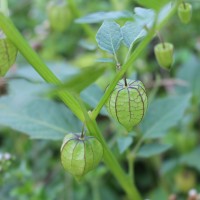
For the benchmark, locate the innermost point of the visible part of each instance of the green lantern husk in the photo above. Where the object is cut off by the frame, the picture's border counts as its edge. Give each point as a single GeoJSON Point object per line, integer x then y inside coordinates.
{"type": "Point", "coordinates": [164, 54]}
{"type": "Point", "coordinates": [8, 53]}
{"type": "Point", "coordinates": [79, 155]}
{"type": "Point", "coordinates": [59, 15]}
{"type": "Point", "coordinates": [185, 12]}
{"type": "Point", "coordinates": [127, 104]}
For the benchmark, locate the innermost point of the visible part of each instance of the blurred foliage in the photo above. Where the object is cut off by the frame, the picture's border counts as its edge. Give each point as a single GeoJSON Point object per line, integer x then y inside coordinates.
{"type": "Point", "coordinates": [31, 169]}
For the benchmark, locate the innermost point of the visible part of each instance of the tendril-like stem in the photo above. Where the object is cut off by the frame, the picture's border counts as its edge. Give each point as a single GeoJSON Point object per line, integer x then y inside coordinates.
{"type": "Point", "coordinates": [161, 39]}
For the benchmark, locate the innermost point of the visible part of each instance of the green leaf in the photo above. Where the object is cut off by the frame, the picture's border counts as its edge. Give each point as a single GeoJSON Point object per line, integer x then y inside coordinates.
{"type": "Point", "coordinates": [26, 111]}
{"type": "Point", "coordinates": [124, 143]}
{"type": "Point", "coordinates": [144, 17]}
{"type": "Point", "coordinates": [40, 119]}
{"type": "Point", "coordinates": [132, 32]}
{"type": "Point", "coordinates": [81, 80]}
{"type": "Point", "coordinates": [189, 73]}
{"type": "Point", "coordinates": [109, 36]}
{"type": "Point", "coordinates": [101, 16]}
{"type": "Point", "coordinates": [163, 114]}
{"type": "Point", "coordinates": [154, 4]}
{"type": "Point", "coordinates": [191, 159]}
{"type": "Point", "coordinates": [62, 70]}
{"type": "Point", "coordinates": [149, 150]}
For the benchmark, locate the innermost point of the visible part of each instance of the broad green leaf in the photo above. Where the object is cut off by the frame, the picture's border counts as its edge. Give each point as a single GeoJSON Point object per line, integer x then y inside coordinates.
{"type": "Point", "coordinates": [62, 70]}
{"type": "Point", "coordinates": [101, 16]}
{"type": "Point", "coordinates": [18, 97]}
{"type": "Point", "coordinates": [191, 159]}
{"type": "Point", "coordinates": [81, 80]}
{"type": "Point", "coordinates": [144, 17]}
{"type": "Point", "coordinates": [190, 74]}
{"type": "Point", "coordinates": [87, 45]}
{"type": "Point", "coordinates": [132, 32]}
{"type": "Point", "coordinates": [149, 150]}
{"type": "Point", "coordinates": [40, 119]}
{"type": "Point", "coordinates": [124, 143]}
{"type": "Point", "coordinates": [26, 111]}
{"type": "Point", "coordinates": [163, 114]}
{"type": "Point", "coordinates": [109, 36]}
{"type": "Point", "coordinates": [154, 4]}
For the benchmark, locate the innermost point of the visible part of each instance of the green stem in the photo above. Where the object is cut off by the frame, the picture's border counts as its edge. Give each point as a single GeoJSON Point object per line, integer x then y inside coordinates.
{"type": "Point", "coordinates": [77, 14]}
{"type": "Point", "coordinates": [132, 58]}
{"type": "Point", "coordinates": [115, 4]}
{"type": "Point", "coordinates": [131, 159]}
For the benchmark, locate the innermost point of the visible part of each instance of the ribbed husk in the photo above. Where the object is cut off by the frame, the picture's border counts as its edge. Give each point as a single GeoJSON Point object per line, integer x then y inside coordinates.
{"type": "Point", "coordinates": [80, 155]}
{"type": "Point", "coordinates": [128, 104]}
{"type": "Point", "coordinates": [185, 12]}
{"type": "Point", "coordinates": [164, 54]}
{"type": "Point", "coordinates": [8, 53]}
{"type": "Point", "coordinates": [59, 16]}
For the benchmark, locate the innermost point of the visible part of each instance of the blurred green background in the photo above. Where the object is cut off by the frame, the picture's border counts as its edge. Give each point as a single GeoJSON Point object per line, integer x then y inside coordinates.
{"type": "Point", "coordinates": [31, 169]}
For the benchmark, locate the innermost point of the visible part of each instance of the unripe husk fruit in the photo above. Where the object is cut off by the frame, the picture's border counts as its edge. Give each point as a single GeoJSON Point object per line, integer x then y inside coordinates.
{"type": "Point", "coordinates": [128, 103]}
{"type": "Point", "coordinates": [185, 12]}
{"type": "Point", "coordinates": [8, 53]}
{"type": "Point", "coordinates": [80, 154]}
{"type": "Point", "coordinates": [164, 54]}
{"type": "Point", "coordinates": [59, 15]}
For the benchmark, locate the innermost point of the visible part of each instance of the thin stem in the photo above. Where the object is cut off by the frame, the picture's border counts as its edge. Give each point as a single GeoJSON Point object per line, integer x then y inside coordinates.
{"type": "Point", "coordinates": [125, 81]}
{"type": "Point", "coordinates": [130, 159]}
{"type": "Point", "coordinates": [83, 131]}
{"type": "Point", "coordinates": [184, 5]}
{"type": "Point", "coordinates": [116, 59]}
{"type": "Point", "coordinates": [128, 53]}
{"type": "Point", "coordinates": [115, 4]}
{"type": "Point", "coordinates": [161, 39]}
